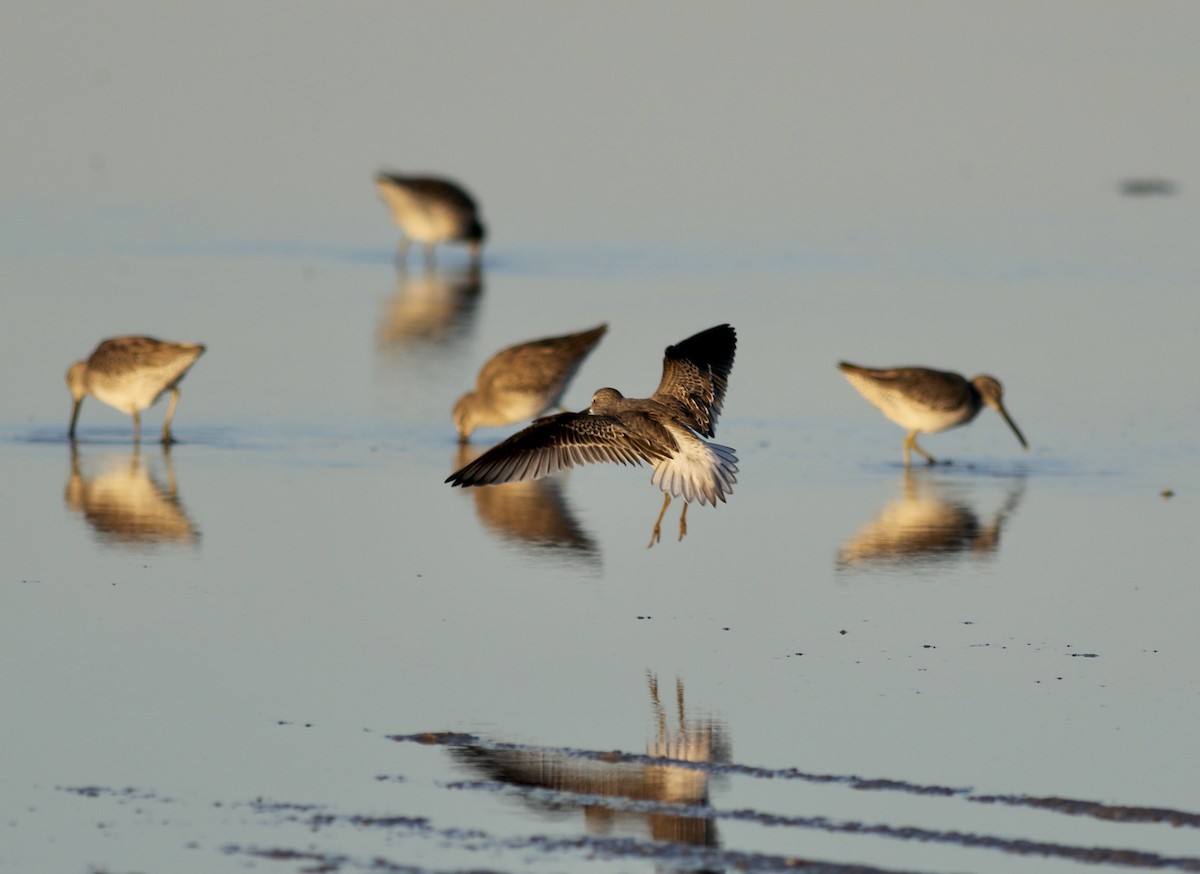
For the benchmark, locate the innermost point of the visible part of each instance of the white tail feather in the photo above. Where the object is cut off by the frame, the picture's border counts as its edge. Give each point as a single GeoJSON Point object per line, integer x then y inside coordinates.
{"type": "Point", "coordinates": [698, 472]}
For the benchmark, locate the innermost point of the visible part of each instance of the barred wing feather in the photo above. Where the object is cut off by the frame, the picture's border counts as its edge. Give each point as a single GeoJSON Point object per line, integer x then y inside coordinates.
{"type": "Point", "coordinates": [696, 375]}
{"type": "Point", "coordinates": [555, 443]}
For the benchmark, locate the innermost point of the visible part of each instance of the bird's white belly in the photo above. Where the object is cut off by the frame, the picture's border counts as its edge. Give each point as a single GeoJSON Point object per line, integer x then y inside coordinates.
{"type": "Point", "coordinates": [914, 417]}
{"type": "Point", "coordinates": [428, 226]}
{"type": "Point", "coordinates": [516, 406]}
{"type": "Point", "coordinates": [420, 221]}
{"type": "Point", "coordinates": [130, 393]}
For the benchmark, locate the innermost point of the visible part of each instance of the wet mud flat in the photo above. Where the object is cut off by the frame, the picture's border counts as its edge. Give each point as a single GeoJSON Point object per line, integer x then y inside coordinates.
{"type": "Point", "coordinates": [616, 810]}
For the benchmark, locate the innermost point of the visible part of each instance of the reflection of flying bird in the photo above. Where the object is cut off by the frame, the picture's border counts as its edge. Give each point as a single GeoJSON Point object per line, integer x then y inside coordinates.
{"type": "Point", "coordinates": [698, 741]}
{"type": "Point", "coordinates": [126, 505]}
{"type": "Point", "coordinates": [130, 374]}
{"type": "Point", "coordinates": [927, 401]}
{"type": "Point", "coordinates": [925, 527]}
{"type": "Point", "coordinates": [523, 381]}
{"type": "Point", "coordinates": [430, 210]}
{"type": "Point", "coordinates": [664, 430]}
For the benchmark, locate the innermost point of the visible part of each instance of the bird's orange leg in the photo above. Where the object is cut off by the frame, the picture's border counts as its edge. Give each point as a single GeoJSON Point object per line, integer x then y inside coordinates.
{"type": "Point", "coordinates": [911, 441]}
{"type": "Point", "coordinates": [654, 537]}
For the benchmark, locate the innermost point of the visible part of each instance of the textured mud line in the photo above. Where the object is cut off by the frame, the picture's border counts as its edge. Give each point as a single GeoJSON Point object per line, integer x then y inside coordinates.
{"type": "Point", "coordinates": [1096, 810]}
{"type": "Point", "coordinates": [1089, 855]}
{"type": "Point", "coordinates": [1115, 813]}
{"type": "Point", "coordinates": [315, 818]}
{"type": "Point", "coordinates": [592, 848]}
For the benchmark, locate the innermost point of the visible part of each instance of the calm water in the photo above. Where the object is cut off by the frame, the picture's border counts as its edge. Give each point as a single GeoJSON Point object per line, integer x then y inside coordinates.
{"type": "Point", "coordinates": [286, 645]}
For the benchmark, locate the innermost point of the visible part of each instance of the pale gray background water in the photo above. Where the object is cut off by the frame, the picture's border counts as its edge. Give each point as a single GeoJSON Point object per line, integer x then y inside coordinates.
{"type": "Point", "coordinates": [890, 183]}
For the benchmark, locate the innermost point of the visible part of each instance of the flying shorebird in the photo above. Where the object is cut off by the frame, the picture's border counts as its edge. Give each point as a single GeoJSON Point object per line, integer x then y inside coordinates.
{"type": "Point", "coordinates": [665, 430]}
{"type": "Point", "coordinates": [523, 381]}
{"type": "Point", "coordinates": [927, 401]}
{"type": "Point", "coordinates": [430, 210]}
{"type": "Point", "coordinates": [130, 374]}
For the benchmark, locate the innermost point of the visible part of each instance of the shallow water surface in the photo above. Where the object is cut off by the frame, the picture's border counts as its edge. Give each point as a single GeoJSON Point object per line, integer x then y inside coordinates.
{"type": "Point", "coordinates": [285, 644]}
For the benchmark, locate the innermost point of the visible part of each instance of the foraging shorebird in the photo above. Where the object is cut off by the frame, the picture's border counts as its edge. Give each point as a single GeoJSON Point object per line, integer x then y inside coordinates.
{"type": "Point", "coordinates": [665, 430]}
{"type": "Point", "coordinates": [523, 381]}
{"type": "Point", "coordinates": [430, 210]}
{"type": "Point", "coordinates": [130, 374]}
{"type": "Point", "coordinates": [928, 401]}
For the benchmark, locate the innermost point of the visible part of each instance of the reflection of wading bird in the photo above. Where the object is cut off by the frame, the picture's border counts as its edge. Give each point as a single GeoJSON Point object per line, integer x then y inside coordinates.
{"type": "Point", "coordinates": [435, 307]}
{"type": "Point", "coordinates": [130, 374]}
{"type": "Point", "coordinates": [927, 401]}
{"type": "Point", "coordinates": [523, 381]}
{"type": "Point", "coordinates": [664, 430]}
{"type": "Point", "coordinates": [929, 525]}
{"type": "Point", "coordinates": [127, 505]}
{"type": "Point", "coordinates": [430, 211]}
{"type": "Point", "coordinates": [533, 515]}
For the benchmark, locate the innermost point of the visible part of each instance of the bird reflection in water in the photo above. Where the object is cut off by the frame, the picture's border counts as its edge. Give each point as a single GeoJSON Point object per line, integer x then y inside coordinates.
{"type": "Point", "coordinates": [929, 525]}
{"type": "Point", "coordinates": [433, 307]}
{"type": "Point", "coordinates": [126, 502]}
{"type": "Point", "coordinates": [533, 515]}
{"type": "Point", "coordinates": [698, 741]}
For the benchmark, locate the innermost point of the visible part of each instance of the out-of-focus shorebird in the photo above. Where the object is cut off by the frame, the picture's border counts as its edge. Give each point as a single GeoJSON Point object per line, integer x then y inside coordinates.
{"type": "Point", "coordinates": [523, 381]}
{"type": "Point", "coordinates": [926, 401]}
{"type": "Point", "coordinates": [431, 210]}
{"type": "Point", "coordinates": [664, 430]}
{"type": "Point", "coordinates": [130, 374]}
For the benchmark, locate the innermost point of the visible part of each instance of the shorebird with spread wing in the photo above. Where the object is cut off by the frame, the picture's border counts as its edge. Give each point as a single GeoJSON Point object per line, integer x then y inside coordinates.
{"type": "Point", "coordinates": [666, 430]}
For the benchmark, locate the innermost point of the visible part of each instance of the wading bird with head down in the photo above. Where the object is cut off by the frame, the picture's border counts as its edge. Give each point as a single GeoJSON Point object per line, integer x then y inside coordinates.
{"type": "Point", "coordinates": [665, 430]}
{"type": "Point", "coordinates": [431, 210]}
{"type": "Point", "coordinates": [130, 374]}
{"type": "Point", "coordinates": [523, 381]}
{"type": "Point", "coordinates": [926, 401]}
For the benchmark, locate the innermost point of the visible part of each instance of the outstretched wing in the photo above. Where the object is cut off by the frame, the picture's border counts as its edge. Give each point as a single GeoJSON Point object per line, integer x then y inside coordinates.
{"type": "Point", "coordinates": [696, 374]}
{"type": "Point", "coordinates": [555, 443]}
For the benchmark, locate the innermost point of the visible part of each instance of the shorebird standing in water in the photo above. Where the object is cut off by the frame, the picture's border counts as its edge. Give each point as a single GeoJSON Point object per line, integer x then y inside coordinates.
{"type": "Point", "coordinates": [430, 210]}
{"type": "Point", "coordinates": [130, 374]}
{"type": "Point", "coordinates": [664, 430]}
{"type": "Point", "coordinates": [927, 401]}
{"type": "Point", "coordinates": [523, 381]}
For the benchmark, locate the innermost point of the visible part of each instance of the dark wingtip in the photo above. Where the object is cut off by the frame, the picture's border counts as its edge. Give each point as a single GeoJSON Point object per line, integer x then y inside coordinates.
{"type": "Point", "coordinates": [718, 334]}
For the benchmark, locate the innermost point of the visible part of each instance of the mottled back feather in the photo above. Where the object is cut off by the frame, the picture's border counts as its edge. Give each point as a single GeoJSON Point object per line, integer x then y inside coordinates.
{"type": "Point", "coordinates": [124, 354]}
{"type": "Point", "coordinates": [442, 190]}
{"type": "Point", "coordinates": [933, 389]}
